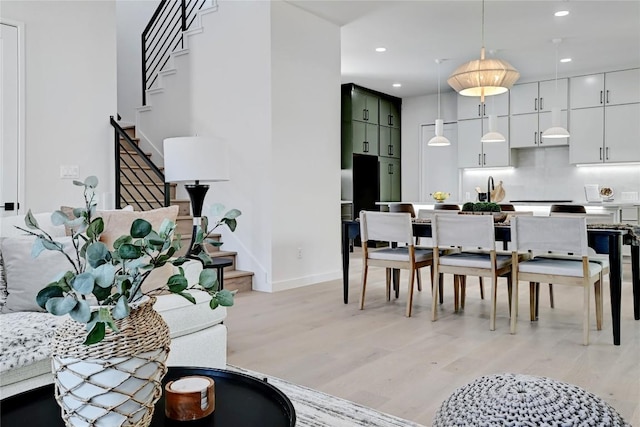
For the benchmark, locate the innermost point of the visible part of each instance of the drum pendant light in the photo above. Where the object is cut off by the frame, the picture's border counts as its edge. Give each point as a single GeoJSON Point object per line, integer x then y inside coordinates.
{"type": "Point", "coordinates": [439, 140]}
{"type": "Point", "coordinates": [556, 130]}
{"type": "Point", "coordinates": [483, 77]}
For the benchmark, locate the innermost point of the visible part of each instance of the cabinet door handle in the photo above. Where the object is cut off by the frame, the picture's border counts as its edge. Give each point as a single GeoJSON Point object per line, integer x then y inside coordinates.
{"type": "Point", "coordinates": [600, 153]}
{"type": "Point", "coordinates": [390, 121]}
{"type": "Point", "coordinates": [601, 97]}
{"type": "Point", "coordinates": [365, 146]}
{"type": "Point", "coordinates": [479, 107]}
{"type": "Point", "coordinates": [479, 159]}
{"type": "Point", "coordinates": [535, 138]}
{"type": "Point", "coordinates": [390, 168]}
{"type": "Point", "coordinates": [390, 150]}
{"type": "Point", "coordinates": [484, 109]}
{"type": "Point", "coordinates": [606, 156]}
{"type": "Point", "coordinates": [535, 104]}
{"type": "Point", "coordinates": [541, 104]}
{"type": "Point", "coordinates": [607, 96]}
{"type": "Point", "coordinates": [484, 159]}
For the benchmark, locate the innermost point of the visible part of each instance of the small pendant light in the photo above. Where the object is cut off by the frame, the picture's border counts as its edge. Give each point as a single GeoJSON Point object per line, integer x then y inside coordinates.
{"type": "Point", "coordinates": [556, 130]}
{"type": "Point", "coordinates": [493, 135]}
{"type": "Point", "coordinates": [439, 140]}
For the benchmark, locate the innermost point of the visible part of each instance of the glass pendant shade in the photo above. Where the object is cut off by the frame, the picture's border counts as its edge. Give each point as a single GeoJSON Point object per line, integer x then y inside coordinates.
{"type": "Point", "coordinates": [556, 130]}
{"type": "Point", "coordinates": [493, 135]}
{"type": "Point", "coordinates": [439, 140]}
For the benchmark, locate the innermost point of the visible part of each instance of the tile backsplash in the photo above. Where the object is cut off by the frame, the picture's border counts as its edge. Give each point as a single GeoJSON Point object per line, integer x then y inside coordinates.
{"type": "Point", "coordinates": [545, 173]}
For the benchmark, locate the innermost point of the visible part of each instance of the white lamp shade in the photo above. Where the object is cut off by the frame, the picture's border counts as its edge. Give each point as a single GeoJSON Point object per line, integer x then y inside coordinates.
{"type": "Point", "coordinates": [439, 140]}
{"type": "Point", "coordinates": [493, 135]}
{"type": "Point", "coordinates": [483, 77]}
{"type": "Point", "coordinates": [556, 130]}
{"type": "Point", "coordinates": [195, 158]}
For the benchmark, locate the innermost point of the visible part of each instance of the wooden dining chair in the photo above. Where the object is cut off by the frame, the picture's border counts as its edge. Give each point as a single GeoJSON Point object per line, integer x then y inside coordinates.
{"type": "Point", "coordinates": [407, 207]}
{"type": "Point", "coordinates": [474, 238]}
{"type": "Point", "coordinates": [566, 238]}
{"type": "Point", "coordinates": [394, 228]}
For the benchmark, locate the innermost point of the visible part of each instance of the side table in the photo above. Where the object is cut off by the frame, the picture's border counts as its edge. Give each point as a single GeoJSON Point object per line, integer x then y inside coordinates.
{"type": "Point", "coordinates": [241, 400]}
{"type": "Point", "coordinates": [219, 264]}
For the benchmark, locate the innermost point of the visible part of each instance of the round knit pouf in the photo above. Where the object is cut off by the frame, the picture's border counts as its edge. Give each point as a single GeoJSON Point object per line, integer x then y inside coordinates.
{"type": "Point", "coordinates": [524, 400]}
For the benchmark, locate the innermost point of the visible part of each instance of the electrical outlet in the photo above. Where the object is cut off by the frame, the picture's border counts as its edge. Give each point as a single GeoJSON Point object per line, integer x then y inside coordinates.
{"type": "Point", "coordinates": [299, 253]}
{"type": "Point", "coordinates": [69, 171]}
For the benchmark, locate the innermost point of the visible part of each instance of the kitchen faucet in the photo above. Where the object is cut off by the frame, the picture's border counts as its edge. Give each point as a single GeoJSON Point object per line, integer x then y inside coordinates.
{"type": "Point", "coordinates": [490, 186]}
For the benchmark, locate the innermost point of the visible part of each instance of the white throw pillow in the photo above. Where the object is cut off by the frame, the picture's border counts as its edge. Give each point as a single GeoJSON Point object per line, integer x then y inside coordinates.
{"type": "Point", "coordinates": [26, 275]}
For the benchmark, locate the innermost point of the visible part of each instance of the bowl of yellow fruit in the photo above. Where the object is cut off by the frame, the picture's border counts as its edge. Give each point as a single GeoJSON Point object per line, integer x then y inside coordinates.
{"type": "Point", "coordinates": [440, 196]}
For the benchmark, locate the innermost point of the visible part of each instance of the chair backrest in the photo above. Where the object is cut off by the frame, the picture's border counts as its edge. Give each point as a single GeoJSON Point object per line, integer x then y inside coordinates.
{"type": "Point", "coordinates": [568, 209]}
{"type": "Point", "coordinates": [386, 227]}
{"type": "Point", "coordinates": [542, 234]}
{"type": "Point", "coordinates": [402, 207]}
{"type": "Point", "coordinates": [429, 213]}
{"type": "Point", "coordinates": [476, 231]}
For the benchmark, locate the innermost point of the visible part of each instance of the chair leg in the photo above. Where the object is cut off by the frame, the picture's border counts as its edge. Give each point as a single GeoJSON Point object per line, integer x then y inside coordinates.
{"type": "Point", "coordinates": [463, 290]}
{"type": "Point", "coordinates": [481, 283]}
{"type": "Point", "coordinates": [514, 304]}
{"type": "Point", "coordinates": [551, 295]}
{"type": "Point", "coordinates": [365, 270]}
{"type": "Point", "coordinates": [419, 277]}
{"type": "Point", "coordinates": [598, 297]}
{"type": "Point", "coordinates": [396, 281]}
{"type": "Point", "coordinates": [585, 314]}
{"type": "Point", "coordinates": [537, 306]}
{"type": "Point", "coordinates": [436, 293]}
{"type": "Point", "coordinates": [388, 274]}
{"type": "Point", "coordinates": [456, 292]}
{"type": "Point", "coordinates": [441, 288]}
{"type": "Point", "coordinates": [509, 292]}
{"type": "Point", "coordinates": [494, 297]}
{"type": "Point", "coordinates": [410, 293]}
{"type": "Point", "coordinates": [532, 301]}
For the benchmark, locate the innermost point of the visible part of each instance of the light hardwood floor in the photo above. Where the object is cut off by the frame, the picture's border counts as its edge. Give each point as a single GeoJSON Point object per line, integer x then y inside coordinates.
{"type": "Point", "coordinates": [407, 366]}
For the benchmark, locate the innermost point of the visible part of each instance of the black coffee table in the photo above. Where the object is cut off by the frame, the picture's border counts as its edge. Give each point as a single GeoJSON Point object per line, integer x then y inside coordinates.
{"type": "Point", "coordinates": [241, 400]}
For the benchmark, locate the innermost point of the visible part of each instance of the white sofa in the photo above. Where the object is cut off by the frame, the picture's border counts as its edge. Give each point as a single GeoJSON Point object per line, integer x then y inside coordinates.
{"type": "Point", "coordinates": [198, 334]}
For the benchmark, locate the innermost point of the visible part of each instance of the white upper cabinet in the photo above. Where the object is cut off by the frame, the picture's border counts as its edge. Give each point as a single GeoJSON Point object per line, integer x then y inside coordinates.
{"type": "Point", "coordinates": [535, 97]}
{"type": "Point", "coordinates": [473, 153]}
{"type": "Point", "coordinates": [605, 117]}
{"type": "Point", "coordinates": [470, 107]}
{"type": "Point", "coordinates": [598, 90]}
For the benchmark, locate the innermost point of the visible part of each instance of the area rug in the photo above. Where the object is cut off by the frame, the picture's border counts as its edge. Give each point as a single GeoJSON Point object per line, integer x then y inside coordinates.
{"type": "Point", "coordinates": [315, 409]}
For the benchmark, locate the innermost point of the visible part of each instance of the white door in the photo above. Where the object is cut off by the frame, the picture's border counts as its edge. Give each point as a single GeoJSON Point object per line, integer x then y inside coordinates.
{"type": "Point", "coordinates": [9, 120]}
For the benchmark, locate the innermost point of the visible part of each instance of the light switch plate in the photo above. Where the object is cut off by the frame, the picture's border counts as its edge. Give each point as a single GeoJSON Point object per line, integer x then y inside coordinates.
{"type": "Point", "coordinates": [69, 171]}
{"type": "Point", "coordinates": [629, 196]}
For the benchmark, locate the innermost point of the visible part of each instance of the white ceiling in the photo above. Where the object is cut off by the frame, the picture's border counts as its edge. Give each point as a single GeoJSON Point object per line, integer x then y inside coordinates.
{"type": "Point", "coordinates": [597, 35]}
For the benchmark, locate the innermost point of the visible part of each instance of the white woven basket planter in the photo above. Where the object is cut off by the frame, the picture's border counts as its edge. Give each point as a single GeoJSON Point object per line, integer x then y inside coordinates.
{"type": "Point", "coordinates": [116, 382]}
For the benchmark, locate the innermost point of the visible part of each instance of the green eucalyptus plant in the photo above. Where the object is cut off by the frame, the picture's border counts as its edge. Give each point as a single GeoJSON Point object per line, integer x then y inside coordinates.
{"type": "Point", "coordinates": [100, 284]}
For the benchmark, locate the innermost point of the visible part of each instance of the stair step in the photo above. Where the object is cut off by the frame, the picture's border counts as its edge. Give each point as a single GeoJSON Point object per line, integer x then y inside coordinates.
{"type": "Point", "coordinates": [130, 130]}
{"type": "Point", "coordinates": [239, 280]}
{"type": "Point", "coordinates": [184, 206]}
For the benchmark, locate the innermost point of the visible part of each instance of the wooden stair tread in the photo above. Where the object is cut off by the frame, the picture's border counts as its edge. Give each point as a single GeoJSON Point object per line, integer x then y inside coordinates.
{"type": "Point", "coordinates": [230, 274]}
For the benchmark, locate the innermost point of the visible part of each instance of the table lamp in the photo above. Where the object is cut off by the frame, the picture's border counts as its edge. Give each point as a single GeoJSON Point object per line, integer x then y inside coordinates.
{"type": "Point", "coordinates": [195, 159]}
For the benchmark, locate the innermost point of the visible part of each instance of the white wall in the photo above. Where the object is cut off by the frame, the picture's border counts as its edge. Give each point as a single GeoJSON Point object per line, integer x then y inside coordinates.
{"type": "Point", "coordinates": [71, 91]}
{"type": "Point", "coordinates": [132, 17]}
{"type": "Point", "coordinates": [272, 91]}
{"type": "Point", "coordinates": [305, 76]}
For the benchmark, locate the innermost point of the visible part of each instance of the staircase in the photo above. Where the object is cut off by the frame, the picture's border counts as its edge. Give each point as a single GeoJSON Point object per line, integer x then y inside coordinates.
{"type": "Point", "coordinates": [143, 190]}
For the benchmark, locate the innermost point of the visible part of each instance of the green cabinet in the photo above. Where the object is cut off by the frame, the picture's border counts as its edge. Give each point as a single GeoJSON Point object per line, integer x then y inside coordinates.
{"type": "Point", "coordinates": [370, 147]}
{"type": "Point", "coordinates": [389, 179]}
{"type": "Point", "coordinates": [364, 106]}
{"type": "Point", "coordinates": [389, 142]}
{"type": "Point", "coordinates": [389, 114]}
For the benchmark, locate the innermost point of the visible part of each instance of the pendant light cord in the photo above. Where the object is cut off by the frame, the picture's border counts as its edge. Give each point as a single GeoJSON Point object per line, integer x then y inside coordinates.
{"type": "Point", "coordinates": [483, 23]}
{"type": "Point", "coordinates": [438, 61]}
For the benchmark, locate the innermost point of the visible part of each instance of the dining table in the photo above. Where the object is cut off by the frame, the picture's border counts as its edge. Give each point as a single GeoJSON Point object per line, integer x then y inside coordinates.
{"type": "Point", "coordinates": [603, 238]}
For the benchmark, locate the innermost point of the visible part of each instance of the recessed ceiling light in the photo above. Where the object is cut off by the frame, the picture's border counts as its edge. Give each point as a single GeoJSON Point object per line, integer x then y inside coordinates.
{"type": "Point", "coordinates": [397, 85]}
{"type": "Point", "coordinates": [561, 13]}
{"type": "Point", "coordinates": [565, 60]}
{"type": "Point", "coordinates": [381, 49]}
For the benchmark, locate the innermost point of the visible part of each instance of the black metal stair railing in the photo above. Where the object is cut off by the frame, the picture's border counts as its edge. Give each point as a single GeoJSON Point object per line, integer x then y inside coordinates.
{"type": "Point", "coordinates": [139, 181]}
{"type": "Point", "coordinates": [163, 35]}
